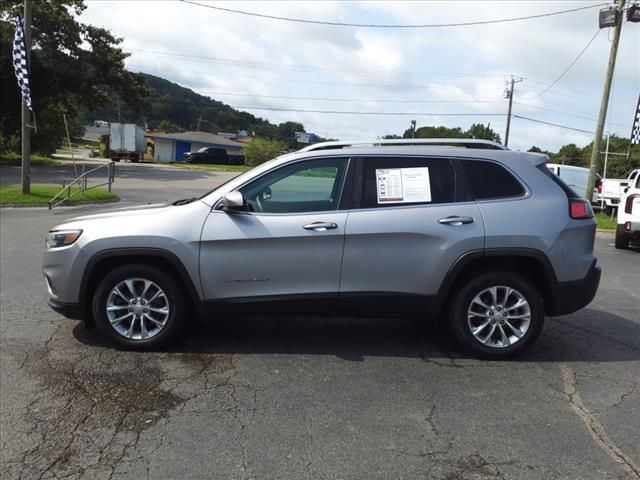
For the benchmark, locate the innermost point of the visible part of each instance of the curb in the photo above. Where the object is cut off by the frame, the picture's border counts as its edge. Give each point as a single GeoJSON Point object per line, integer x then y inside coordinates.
{"type": "Point", "coordinates": [40, 205]}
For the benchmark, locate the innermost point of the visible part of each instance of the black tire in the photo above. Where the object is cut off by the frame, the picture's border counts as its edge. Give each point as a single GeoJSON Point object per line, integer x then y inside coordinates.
{"type": "Point", "coordinates": [622, 239]}
{"type": "Point", "coordinates": [463, 300]}
{"type": "Point", "coordinates": [174, 300]}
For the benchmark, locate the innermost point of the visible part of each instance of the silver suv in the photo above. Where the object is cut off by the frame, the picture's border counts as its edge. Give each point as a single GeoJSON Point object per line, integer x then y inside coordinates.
{"type": "Point", "coordinates": [465, 230]}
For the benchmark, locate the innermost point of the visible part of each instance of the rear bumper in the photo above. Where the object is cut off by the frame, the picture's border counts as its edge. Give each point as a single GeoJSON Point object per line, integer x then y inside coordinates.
{"type": "Point", "coordinates": [567, 297]}
{"type": "Point", "coordinates": [69, 310]}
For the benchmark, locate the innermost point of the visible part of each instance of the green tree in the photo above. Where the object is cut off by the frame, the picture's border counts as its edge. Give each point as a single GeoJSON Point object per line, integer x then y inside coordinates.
{"type": "Point", "coordinates": [618, 166]}
{"type": "Point", "coordinates": [435, 132]}
{"type": "Point", "coordinates": [260, 150]}
{"type": "Point", "coordinates": [286, 133]}
{"type": "Point", "coordinates": [74, 66]}
{"type": "Point", "coordinates": [480, 131]}
{"type": "Point", "coordinates": [535, 149]}
{"type": "Point", "coordinates": [169, 127]}
{"type": "Point", "coordinates": [569, 154]}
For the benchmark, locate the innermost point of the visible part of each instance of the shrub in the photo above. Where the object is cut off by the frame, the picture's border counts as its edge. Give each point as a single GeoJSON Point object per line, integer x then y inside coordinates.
{"type": "Point", "coordinates": [259, 150]}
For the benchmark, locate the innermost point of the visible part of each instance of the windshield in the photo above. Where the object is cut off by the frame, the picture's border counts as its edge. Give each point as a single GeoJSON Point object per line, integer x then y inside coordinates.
{"type": "Point", "coordinates": [203, 149]}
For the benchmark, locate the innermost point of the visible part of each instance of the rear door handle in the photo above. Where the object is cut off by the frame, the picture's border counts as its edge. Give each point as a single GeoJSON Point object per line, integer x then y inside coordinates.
{"type": "Point", "coordinates": [455, 220]}
{"type": "Point", "coordinates": [320, 226]}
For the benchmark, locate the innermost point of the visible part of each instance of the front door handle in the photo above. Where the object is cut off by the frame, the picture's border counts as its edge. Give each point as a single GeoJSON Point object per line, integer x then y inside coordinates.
{"type": "Point", "coordinates": [320, 226]}
{"type": "Point", "coordinates": [455, 220]}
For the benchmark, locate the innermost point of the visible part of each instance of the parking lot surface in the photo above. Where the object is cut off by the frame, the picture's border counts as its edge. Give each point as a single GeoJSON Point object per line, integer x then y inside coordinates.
{"type": "Point", "coordinates": [316, 398]}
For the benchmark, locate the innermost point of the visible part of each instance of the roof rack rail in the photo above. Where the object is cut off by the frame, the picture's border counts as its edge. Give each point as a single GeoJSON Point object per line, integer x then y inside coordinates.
{"type": "Point", "coordinates": [441, 142]}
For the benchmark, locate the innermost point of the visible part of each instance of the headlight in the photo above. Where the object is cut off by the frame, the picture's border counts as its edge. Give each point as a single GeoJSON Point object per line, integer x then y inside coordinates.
{"type": "Point", "coordinates": [62, 238]}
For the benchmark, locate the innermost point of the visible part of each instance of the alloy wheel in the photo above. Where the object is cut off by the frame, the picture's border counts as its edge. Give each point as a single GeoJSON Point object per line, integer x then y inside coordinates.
{"type": "Point", "coordinates": [137, 308]}
{"type": "Point", "coordinates": [499, 316]}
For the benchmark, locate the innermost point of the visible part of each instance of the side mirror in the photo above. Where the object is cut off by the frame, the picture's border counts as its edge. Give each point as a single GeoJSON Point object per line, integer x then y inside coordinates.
{"type": "Point", "coordinates": [232, 202]}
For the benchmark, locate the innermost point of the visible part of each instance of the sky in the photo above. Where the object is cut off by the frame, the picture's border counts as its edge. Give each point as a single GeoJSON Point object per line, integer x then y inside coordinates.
{"type": "Point", "coordinates": [386, 77]}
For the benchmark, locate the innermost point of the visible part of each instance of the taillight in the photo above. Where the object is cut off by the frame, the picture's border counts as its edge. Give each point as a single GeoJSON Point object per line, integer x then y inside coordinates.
{"type": "Point", "coordinates": [599, 186]}
{"type": "Point", "coordinates": [628, 205]}
{"type": "Point", "coordinates": [580, 209]}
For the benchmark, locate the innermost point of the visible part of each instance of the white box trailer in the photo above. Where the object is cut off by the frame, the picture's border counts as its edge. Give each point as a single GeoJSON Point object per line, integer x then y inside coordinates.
{"type": "Point", "coordinates": [126, 140]}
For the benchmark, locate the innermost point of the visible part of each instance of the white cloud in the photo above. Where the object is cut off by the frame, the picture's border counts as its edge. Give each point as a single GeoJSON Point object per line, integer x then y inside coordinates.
{"type": "Point", "coordinates": [467, 65]}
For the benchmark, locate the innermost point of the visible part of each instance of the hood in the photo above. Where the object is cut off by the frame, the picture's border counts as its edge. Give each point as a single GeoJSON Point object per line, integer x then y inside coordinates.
{"type": "Point", "coordinates": [140, 215]}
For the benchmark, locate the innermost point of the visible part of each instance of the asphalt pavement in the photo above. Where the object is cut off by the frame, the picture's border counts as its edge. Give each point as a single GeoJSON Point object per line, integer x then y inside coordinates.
{"type": "Point", "coordinates": [314, 398]}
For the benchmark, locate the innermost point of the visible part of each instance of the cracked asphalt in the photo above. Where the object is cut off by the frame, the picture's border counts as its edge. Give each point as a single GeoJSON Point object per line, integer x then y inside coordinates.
{"type": "Point", "coordinates": [313, 398]}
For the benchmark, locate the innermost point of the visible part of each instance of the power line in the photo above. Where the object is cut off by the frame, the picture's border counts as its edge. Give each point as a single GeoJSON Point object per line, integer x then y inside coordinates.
{"type": "Point", "coordinates": [279, 66]}
{"type": "Point", "coordinates": [569, 67]}
{"type": "Point", "coordinates": [459, 76]}
{"type": "Point", "coordinates": [355, 100]}
{"type": "Point", "coordinates": [584, 117]}
{"type": "Point", "coordinates": [435, 114]}
{"type": "Point", "coordinates": [342, 112]}
{"type": "Point", "coordinates": [319, 82]}
{"type": "Point", "coordinates": [387, 100]}
{"type": "Point", "coordinates": [552, 124]}
{"type": "Point", "coordinates": [378, 25]}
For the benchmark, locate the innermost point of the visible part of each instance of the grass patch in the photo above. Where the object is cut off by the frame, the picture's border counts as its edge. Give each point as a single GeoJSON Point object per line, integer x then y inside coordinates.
{"type": "Point", "coordinates": [14, 160]}
{"type": "Point", "coordinates": [211, 167]}
{"type": "Point", "coordinates": [605, 222]}
{"type": "Point", "coordinates": [41, 194]}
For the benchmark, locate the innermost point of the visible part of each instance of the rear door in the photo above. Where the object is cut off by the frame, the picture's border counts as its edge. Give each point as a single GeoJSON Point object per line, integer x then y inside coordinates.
{"type": "Point", "coordinates": [412, 218]}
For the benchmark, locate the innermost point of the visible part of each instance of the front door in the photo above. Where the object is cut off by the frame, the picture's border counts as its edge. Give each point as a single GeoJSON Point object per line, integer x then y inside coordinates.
{"type": "Point", "coordinates": [412, 219]}
{"type": "Point", "coordinates": [287, 244]}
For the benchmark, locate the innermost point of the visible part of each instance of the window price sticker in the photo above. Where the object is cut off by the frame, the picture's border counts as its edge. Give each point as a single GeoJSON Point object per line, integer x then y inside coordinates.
{"type": "Point", "coordinates": [403, 185]}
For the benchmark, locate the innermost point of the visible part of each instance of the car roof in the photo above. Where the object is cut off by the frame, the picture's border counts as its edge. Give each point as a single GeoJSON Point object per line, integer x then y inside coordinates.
{"type": "Point", "coordinates": [441, 151]}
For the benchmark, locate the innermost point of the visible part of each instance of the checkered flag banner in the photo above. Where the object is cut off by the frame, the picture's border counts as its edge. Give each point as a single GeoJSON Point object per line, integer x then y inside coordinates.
{"type": "Point", "coordinates": [635, 130]}
{"type": "Point", "coordinates": [20, 62]}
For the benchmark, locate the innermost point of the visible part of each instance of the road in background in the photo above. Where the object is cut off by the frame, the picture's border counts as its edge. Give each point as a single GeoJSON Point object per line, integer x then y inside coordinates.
{"type": "Point", "coordinates": [134, 182]}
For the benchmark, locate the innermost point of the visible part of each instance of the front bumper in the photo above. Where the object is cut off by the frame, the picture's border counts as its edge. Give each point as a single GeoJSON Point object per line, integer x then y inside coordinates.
{"type": "Point", "coordinates": [73, 311]}
{"type": "Point", "coordinates": [567, 297]}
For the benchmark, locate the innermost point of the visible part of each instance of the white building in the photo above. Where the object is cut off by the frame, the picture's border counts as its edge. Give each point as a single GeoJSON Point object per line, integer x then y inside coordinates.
{"type": "Point", "coordinates": [170, 147]}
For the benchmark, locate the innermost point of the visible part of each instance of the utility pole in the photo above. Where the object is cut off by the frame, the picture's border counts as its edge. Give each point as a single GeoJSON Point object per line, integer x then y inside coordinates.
{"type": "Point", "coordinates": [26, 128]}
{"type": "Point", "coordinates": [604, 103]}
{"type": "Point", "coordinates": [508, 93]}
{"type": "Point", "coordinates": [413, 129]}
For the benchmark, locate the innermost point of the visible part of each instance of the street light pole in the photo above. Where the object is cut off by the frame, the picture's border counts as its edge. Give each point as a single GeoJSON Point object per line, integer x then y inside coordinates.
{"type": "Point", "coordinates": [604, 103]}
{"type": "Point", "coordinates": [26, 128]}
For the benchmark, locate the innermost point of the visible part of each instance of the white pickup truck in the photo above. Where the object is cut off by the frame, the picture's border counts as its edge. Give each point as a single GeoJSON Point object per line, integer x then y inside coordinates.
{"type": "Point", "coordinates": [610, 191]}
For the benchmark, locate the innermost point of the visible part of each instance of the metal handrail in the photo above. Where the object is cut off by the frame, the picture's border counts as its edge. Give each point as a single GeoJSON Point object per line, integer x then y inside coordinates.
{"type": "Point", "coordinates": [81, 180]}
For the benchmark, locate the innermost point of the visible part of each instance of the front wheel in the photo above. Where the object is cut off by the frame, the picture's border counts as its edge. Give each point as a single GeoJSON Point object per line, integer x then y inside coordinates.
{"type": "Point", "coordinates": [138, 306]}
{"type": "Point", "coordinates": [497, 315]}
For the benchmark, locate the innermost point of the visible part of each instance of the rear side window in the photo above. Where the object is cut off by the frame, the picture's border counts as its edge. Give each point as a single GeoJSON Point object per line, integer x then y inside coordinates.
{"type": "Point", "coordinates": [489, 180]}
{"type": "Point", "coordinates": [399, 181]}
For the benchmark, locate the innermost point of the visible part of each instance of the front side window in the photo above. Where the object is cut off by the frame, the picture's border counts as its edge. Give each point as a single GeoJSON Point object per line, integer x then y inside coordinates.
{"type": "Point", "coordinates": [308, 186]}
{"type": "Point", "coordinates": [398, 181]}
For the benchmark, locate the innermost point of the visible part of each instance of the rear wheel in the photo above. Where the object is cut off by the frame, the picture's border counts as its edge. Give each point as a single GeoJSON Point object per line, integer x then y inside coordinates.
{"type": "Point", "coordinates": [138, 306]}
{"type": "Point", "coordinates": [497, 315]}
{"type": "Point", "coordinates": [622, 239]}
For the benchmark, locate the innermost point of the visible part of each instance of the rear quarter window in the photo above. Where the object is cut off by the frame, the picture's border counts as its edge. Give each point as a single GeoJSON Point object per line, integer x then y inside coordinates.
{"type": "Point", "coordinates": [490, 180]}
